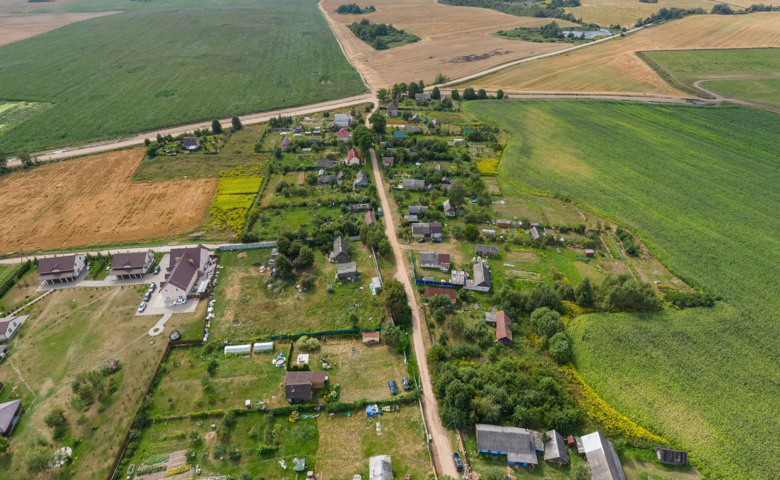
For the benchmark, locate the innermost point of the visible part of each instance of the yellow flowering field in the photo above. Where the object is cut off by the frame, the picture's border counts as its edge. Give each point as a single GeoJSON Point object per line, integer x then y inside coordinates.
{"type": "Point", "coordinates": [487, 166]}
{"type": "Point", "coordinates": [234, 198]}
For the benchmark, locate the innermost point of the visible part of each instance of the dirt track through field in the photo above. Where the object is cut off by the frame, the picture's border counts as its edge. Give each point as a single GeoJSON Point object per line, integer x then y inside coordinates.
{"type": "Point", "coordinates": [18, 27]}
{"type": "Point", "coordinates": [92, 200]}
{"type": "Point", "coordinates": [441, 447]}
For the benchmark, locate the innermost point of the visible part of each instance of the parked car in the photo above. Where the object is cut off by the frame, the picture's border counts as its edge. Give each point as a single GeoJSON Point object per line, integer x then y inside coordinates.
{"type": "Point", "coordinates": [147, 296]}
{"type": "Point", "coordinates": [152, 287]}
{"type": "Point", "coordinates": [458, 463]}
{"type": "Point", "coordinates": [420, 240]}
{"type": "Point", "coordinates": [180, 301]}
{"type": "Point", "coordinates": [393, 390]}
{"type": "Point", "coordinates": [156, 269]}
{"type": "Point", "coordinates": [141, 307]}
{"type": "Point", "coordinates": [405, 381]}
{"type": "Point", "coordinates": [436, 240]}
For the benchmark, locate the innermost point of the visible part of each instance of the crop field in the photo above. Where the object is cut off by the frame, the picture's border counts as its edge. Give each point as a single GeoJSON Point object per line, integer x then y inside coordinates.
{"type": "Point", "coordinates": [92, 201]}
{"type": "Point", "coordinates": [18, 27]}
{"type": "Point", "coordinates": [456, 41]}
{"type": "Point", "coordinates": [626, 12]}
{"type": "Point", "coordinates": [69, 332]}
{"type": "Point", "coordinates": [673, 174]}
{"type": "Point", "coordinates": [761, 92]}
{"type": "Point", "coordinates": [12, 113]}
{"type": "Point", "coordinates": [615, 67]}
{"type": "Point", "coordinates": [186, 67]}
{"type": "Point", "coordinates": [246, 307]}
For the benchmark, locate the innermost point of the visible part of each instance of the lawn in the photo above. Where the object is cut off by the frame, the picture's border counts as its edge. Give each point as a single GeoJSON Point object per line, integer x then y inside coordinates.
{"type": "Point", "coordinates": [273, 221]}
{"type": "Point", "coordinates": [246, 307]}
{"type": "Point", "coordinates": [69, 332]}
{"type": "Point", "coordinates": [698, 186]}
{"type": "Point", "coordinates": [188, 65]}
{"type": "Point", "coordinates": [682, 68]}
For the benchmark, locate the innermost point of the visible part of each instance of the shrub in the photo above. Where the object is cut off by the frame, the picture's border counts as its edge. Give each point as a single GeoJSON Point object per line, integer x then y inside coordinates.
{"type": "Point", "coordinates": [560, 347]}
{"type": "Point", "coordinates": [546, 322]}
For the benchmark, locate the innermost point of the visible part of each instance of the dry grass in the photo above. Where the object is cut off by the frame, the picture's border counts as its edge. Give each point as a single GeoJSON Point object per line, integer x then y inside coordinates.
{"type": "Point", "coordinates": [614, 67]}
{"type": "Point", "coordinates": [626, 12]}
{"type": "Point", "coordinates": [346, 443]}
{"type": "Point", "coordinates": [456, 41]}
{"type": "Point", "coordinates": [18, 27]}
{"type": "Point", "coordinates": [92, 201]}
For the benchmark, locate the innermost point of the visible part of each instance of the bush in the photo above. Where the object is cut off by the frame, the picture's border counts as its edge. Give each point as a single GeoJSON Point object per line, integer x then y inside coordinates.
{"type": "Point", "coordinates": [546, 322]}
{"type": "Point", "coordinates": [560, 347]}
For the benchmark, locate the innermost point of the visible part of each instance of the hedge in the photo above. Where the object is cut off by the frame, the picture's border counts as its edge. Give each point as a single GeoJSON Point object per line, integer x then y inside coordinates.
{"type": "Point", "coordinates": [15, 277]}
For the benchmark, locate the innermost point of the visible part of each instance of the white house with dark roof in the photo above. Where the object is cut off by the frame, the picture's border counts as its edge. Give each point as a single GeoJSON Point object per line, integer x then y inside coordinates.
{"type": "Point", "coordinates": [10, 412]}
{"type": "Point", "coordinates": [10, 325]}
{"type": "Point", "coordinates": [66, 268]}
{"type": "Point", "coordinates": [190, 144]}
{"type": "Point", "coordinates": [185, 266]}
{"type": "Point", "coordinates": [602, 458]}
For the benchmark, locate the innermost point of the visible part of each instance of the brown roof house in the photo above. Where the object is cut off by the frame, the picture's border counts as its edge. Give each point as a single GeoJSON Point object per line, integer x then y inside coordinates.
{"type": "Point", "coordinates": [298, 386]}
{"type": "Point", "coordinates": [518, 444]}
{"type": "Point", "coordinates": [10, 325]}
{"type": "Point", "coordinates": [10, 412]}
{"type": "Point", "coordinates": [369, 218]}
{"type": "Point", "coordinates": [388, 161]}
{"type": "Point", "coordinates": [370, 338]}
{"type": "Point", "coordinates": [185, 267]}
{"type": "Point", "coordinates": [66, 268]}
{"type": "Point", "coordinates": [131, 265]}
{"type": "Point", "coordinates": [503, 333]}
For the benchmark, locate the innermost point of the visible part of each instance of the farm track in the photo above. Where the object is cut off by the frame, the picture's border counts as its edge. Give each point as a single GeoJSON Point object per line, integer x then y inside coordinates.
{"type": "Point", "coordinates": [720, 98]}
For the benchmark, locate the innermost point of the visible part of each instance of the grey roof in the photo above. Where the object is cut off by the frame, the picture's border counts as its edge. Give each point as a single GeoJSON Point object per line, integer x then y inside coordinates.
{"type": "Point", "coordinates": [392, 106]}
{"type": "Point", "coordinates": [7, 412]}
{"type": "Point", "coordinates": [421, 228]}
{"type": "Point", "coordinates": [359, 207]}
{"type": "Point", "coordinates": [416, 209]}
{"type": "Point", "coordinates": [324, 164]}
{"type": "Point", "coordinates": [534, 233]}
{"type": "Point", "coordinates": [516, 443]}
{"type": "Point", "coordinates": [429, 258]}
{"type": "Point", "coordinates": [667, 456]}
{"type": "Point", "coordinates": [602, 458]}
{"type": "Point", "coordinates": [346, 268]}
{"type": "Point", "coordinates": [490, 317]}
{"type": "Point", "coordinates": [380, 468]}
{"type": "Point", "coordinates": [482, 275]}
{"type": "Point", "coordinates": [487, 250]}
{"type": "Point", "coordinates": [555, 448]}
{"type": "Point", "coordinates": [412, 183]}
{"type": "Point", "coordinates": [339, 249]}
{"type": "Point", "coordinates": [189, 142]}
{"type": "Point", "coordinates": [326, 178]}
{"type": "Point", "coordinates": [449, 209]}
{"type": "Point", "coordinates": [361, 178]}
{"type": "Point", "coordinates": [411, 218]}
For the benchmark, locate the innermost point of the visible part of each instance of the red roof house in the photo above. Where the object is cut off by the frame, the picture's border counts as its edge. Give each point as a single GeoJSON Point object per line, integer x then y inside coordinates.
{"type": "Point", "coordinates": [343, 135]}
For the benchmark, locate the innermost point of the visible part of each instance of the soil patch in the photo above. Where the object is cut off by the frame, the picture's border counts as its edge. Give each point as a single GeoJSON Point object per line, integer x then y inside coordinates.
{"type": "Point", "coordinates": [18, 27]}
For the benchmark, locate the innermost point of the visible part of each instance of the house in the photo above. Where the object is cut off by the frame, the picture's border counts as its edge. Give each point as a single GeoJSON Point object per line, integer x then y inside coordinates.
{"type": "Point", "coordinates": [298, 385]}
{"type": "Point", "coordinates": [412, 129]}
{"type": "Point", "coordinates": [421, 230]}
{"type": "Point", "coordinates": [433, 291]}
{"type": "Point", "coordinates": [60, 269]}
{"type": "Point", "coordinates": [359, 207]}
{"type": "Point", "coordinates": [339, 253]}
{"type": "Point", "coordinates": [10, 325]}
{"type": "Point", "coordinates": [340, 178]}
{"type": "Point", "coordinates": [504, 223]}
{"type": "Point", "coordinates": [392, 109]}
{"type": "Point", "coordinates": [436, 229]}
{"type": "Point", "coordinates": [347, 270]}
{"type": "Point", "coordinates": [435, 123]}
{"type": "Point", "coordinates": [589, 252]}
{"type": "Point", "coordinates": [667, 456]}
{"type": "Point", "coordinates": [412, 184]}
{"type": "Point", "coordinates": [380, 468]}
{"type": "Point", "coordinates": [375, 286]}
{"type": "Point", "coordinates": [458, 278]}
{"type": "Point", "coordinates": [131, 265]}
{"type": "Point", "coordinates": [185, 266]}
{"type": "Point", "coordinates": [272, 260]}
{"type": "Point", "coordinates": [399, 134]}
{"type": "Point", "coordinates": [535, 231]}
{"type": "Point", "coordinates": [503, 333]}
{"type": "Point", "coordinates": [488, 251]}
{"type": "Point", "coordinates": [361, 180]}
{"type": "Point", "coordinates": [555, 449]}
{"type": "Point", "coordinates": [482, 280]}
{"type": "Point", "coordinates": [435, 260]}
{"type": "Point", "coordinates": [490, 318]}
{"type": "Point", "coordinates": [415, 118]}
{"type": "Point", "coordinates": [422, 96]}
{"type": "Point", "coordinates": [449, 209]}
{"type": "Point", "coordinates": [417, 209]}
{"type": "Point", "coordinates": [446, 181]}
{"type": "Point", "coordinates": [190, 144]}
{"type": "Point", "coordinates": [324, 164]}
{"type": "Point", "coordinates": [343, 135]}
{"type": "Point", "coordinates": [325, 179]}
{"type": "Point", "coordinates": [10, 412]}
{"type": "Point", "coordinates": [518, 444]}
{"type": "Point", "coordinates": [388, 161]}
{"type": "Point", "coordinates": [353, 158]}
{"type": "Point", "coordinates": [411, 218]}
{"type": "Point", "coordinates": [602, 458]}
{"type": "Point", "coordinates": [369, 219]}
{"type": "Point", "coordinates": [342, 119]}
{"type": "Point", "coordinates": [370, 338]}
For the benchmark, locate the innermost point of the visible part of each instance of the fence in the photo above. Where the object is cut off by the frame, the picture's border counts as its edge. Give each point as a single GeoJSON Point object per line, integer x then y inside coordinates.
{"type": "Point", "coordinates": [432, 283]}
{"type": "Point", "coordinates": [316, 334]}
{"type": "Point", "coordinates": [246, 246]}
{"type": "Point", "coordinates": [149, 388]}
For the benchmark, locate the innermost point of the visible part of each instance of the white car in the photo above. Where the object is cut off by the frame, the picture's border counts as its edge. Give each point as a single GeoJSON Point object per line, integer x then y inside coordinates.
{"type": "Point", "coordinates": [180, 301]}
{"type": "Point", "coordinates": [141, 307]}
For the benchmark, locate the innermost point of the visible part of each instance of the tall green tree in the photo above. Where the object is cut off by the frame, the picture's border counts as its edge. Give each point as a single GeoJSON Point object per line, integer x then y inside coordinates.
{"type": "Point", "coordinates": [583, 294]}
{"type": "Point", "coordinates": [236, 123]}
{"type": "Point", "coordinates": [455, 95]}
{"type": "Point", "coordinates": [216, 127]}
{"type": "Point", "coordinates": [382, 94]}
{"type": "Point", "coordinates": [457, 193]}
{"type": "Point", "coordinates": [436, 93]}
{"type": "Point", "coordinates": [378, 123]}
{"type": "Point", "coordinates": [393, 296]}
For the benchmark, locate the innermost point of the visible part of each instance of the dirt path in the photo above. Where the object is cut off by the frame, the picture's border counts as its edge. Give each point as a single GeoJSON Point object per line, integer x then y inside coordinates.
{"type": "Point", "coordinates": [441, 446]}
{"type": "Point", "coordinates": [718, 98]}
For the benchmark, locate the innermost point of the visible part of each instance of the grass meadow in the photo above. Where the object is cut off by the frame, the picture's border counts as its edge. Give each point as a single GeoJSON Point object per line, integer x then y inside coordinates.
{"type": "Point", "coordinates": [682, 68]}
{"type": "Point", "coordinates": [698, 186]}
{"type": "Point", "coordinates": [762, 91]}
{"type": "Point", "coordinates": [137, 71]}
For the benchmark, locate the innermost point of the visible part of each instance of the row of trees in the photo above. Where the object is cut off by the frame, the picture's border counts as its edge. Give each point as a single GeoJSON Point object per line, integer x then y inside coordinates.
{"type": "Point", "coordinates": [354, 9]}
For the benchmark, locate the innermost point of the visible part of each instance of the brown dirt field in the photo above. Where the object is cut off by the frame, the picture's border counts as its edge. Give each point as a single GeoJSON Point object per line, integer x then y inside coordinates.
{"type": "Point", "coordinates": [614, 67]}
{"type": "Point", "coordinates": [92, 201]}
{"type": "Point", "coordinates": [21, 6]}
{"type": "Point", "coordinates": [626, 12]}
{"type": "Point", "coordinates": [456, 41]}
{"type": "Point", "coordinates": [18, 27]}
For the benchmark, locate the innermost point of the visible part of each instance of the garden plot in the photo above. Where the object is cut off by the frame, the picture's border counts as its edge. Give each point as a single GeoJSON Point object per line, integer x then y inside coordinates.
{"type": "Point", "coordinates": [246, 307]}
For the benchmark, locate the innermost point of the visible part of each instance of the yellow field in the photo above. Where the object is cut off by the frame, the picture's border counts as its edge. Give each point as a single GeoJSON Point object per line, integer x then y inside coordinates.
{"type": "Point", "coordinates": [456, 41]}
{"type": "Point", "coordinates": [626, 12]}
{"type": "Point", "coordinates": [614, 67]}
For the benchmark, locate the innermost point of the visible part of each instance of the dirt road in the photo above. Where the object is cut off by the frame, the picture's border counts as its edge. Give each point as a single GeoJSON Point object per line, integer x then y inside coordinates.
{"type": "Point", "coordinates": [718, 98]}
{"type": "Point", "coordinates": [441, 446]}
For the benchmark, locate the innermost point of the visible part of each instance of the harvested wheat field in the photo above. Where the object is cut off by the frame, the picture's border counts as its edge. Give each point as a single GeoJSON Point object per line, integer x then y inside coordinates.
{"type": "Point", "coordinates": [456, 41]}
{"type": "Point", "coordinates": [626, 12]}
{"type": "Point", "coordinates": [614, 67]}
{"type": "Point", "coordinates": [92, 201]}
{"type": "Point", "coordinates": [18, 27]}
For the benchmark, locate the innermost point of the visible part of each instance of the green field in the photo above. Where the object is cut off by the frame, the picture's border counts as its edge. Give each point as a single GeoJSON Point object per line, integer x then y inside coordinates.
{"type": "Point", "coordinates": [683, 67]}
{"type": "Point", "coordinates": [698, 185]}
{"type": "Point", "coordinates": [126, 5]}
{"type": "Point", "coordinates": [763, 92]}
{"type": "Point", "coordinates": [136, 71]}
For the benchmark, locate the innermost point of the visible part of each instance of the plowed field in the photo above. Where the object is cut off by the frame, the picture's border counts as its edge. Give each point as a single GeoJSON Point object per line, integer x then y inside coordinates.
{"type": "Point", "coordinates": [92, 201]}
